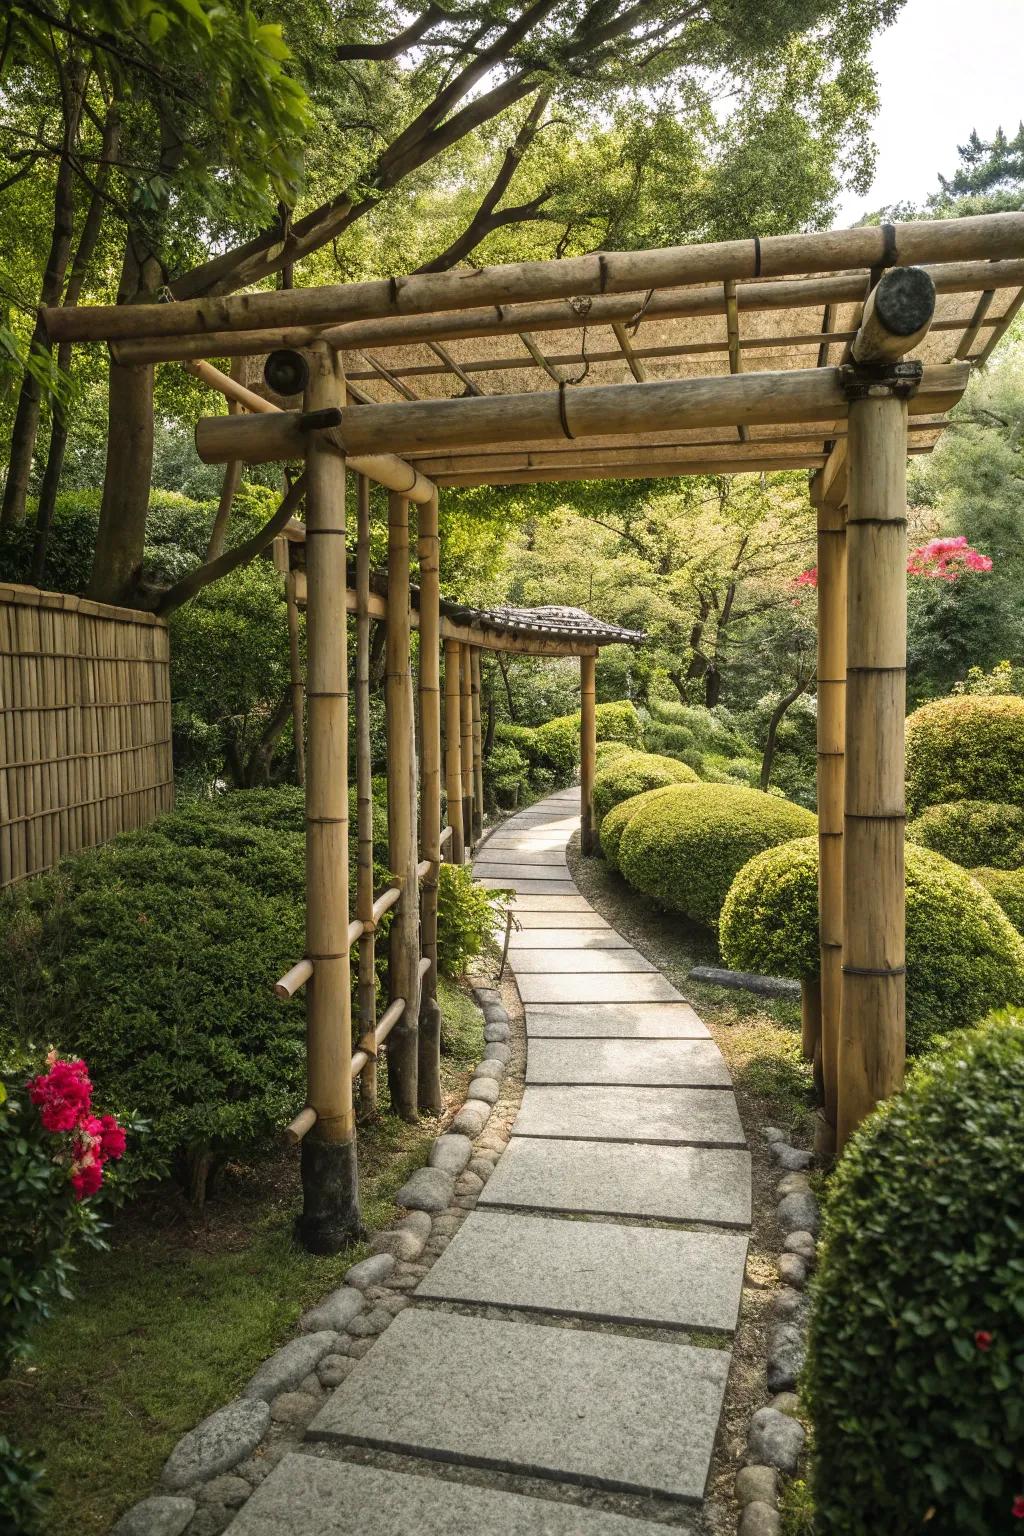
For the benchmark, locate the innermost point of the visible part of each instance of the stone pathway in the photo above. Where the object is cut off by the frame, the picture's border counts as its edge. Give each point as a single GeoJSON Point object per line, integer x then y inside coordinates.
{"type": "Point", "coordinates": [576, 1330]}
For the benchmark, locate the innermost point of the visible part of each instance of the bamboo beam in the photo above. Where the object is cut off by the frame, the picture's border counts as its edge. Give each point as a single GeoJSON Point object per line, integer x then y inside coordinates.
{"type": "Point", "coordinates": [330, 1184]}
{"type": "Point", "coordinates": [431, 1098]}
{"type": "Point", "coordinates": [478, 744]}
{"type": "Point", "coordinates": [752, 399]}
{"type": "Point", "coordinates": [466, 743]}
{"type": "Point", "coordinates": [989, 237]}
{"type": "Point", "coordinates": [453, 748]}
{"type": "Point", "coordinates": [897, 315]}
{"type": "Point", "coordinates": [588, 751]}
{"type": "Point", "coordinates": [367, 987]}
{"type": "Point", "coordinates": [404, 953]}
{"type": "Point", "coordinates": [629, 352]}
{"type": "Point", "coordinates": [558, 315]}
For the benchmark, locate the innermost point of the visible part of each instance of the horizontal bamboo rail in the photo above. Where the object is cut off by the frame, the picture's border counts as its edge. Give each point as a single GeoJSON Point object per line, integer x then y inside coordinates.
{"type": "Point", "coordinates": [989, 237]}
{"type": "Point", "coordinates": [293, 980]}
{"type": "Point", "coordinates": [304, 1121]}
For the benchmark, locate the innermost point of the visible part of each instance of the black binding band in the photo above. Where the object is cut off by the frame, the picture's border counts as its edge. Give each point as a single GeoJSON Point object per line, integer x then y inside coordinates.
{"type": "Point", "coordinates": [757, 256]}
{"type": "Point", "coordinates": [563, 418]}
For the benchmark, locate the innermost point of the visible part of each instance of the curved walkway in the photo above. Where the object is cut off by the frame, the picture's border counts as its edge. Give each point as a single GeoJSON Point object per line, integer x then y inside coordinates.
{"type": "Point", "coordinates": [576, 1329]}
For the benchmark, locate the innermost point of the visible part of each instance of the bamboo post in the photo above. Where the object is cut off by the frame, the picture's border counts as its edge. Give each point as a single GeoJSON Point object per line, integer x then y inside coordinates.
{"type": "Point", "coordinates": [295, 666]}
{"type": "Point", "coordinates": [478, 744]}
{"type": "Point", "coordinates": [330, 1183]}
{"type": "Point", "coordinates": [588, 750]}
{"type": "Point", "coordinates": [428, 548]}
{"type": "Point", "coordinates": [367, 994]}
{"type": "Point", "coordinates": [466, 743]}
{"type": "Point", "coordinates": [453, 748]}
{"type": "Point", "coordinates": [830, 769]}
{"type": "Point", "coordinates": [404, 951]}
{"type": "Point", "coordinates": [872, 1027]}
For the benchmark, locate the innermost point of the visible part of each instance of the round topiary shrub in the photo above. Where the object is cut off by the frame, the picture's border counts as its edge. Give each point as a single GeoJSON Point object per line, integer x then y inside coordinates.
{"type": "Point", "coordinates": [913, 1377]}
{"type": "Point", "coordinates": [607, 751]}
{"type": "Point", "coordinates": [614, 824]}
{"type": "Point", "coordinates": [972, 832]}
{"type": "Point", "coordinates": [1006, 887]}
{"type": "Point", "coordinates": [686, 847]}
{"type": "Point", "coordinates": [966, 748]}
{"type": "Point", "coordinates": [963, 955]}
{"type": "Point", "coordinates": [632, 773]}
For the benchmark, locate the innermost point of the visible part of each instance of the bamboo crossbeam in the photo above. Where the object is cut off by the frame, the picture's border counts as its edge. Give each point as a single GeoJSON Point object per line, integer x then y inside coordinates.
{"type": "Point", "coordinates": [388, 1019]}
{"type": "Point", "coordinates": [304, 1121]}
{"type": "Point", "coordinates": [446, 833]}
{"type": "Point", "coordinates": [897, 315]}
{"type": "Point", "coordinates": [424, 966]}
{"type": "Point", "coordinates": [988, 237]}
{"type": "Point", "coordinates": [622, 410]}
{"type": "Point", "coordinates": [423, 868]}
{"type": "Point", "coordinates": [385, 901]}
{"type": "Point", "coordinates": [293, 980]}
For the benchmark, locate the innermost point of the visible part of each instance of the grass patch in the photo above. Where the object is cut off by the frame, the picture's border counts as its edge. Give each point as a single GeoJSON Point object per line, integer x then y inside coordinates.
{"type": "Point", "coordinates": [171, 1322]}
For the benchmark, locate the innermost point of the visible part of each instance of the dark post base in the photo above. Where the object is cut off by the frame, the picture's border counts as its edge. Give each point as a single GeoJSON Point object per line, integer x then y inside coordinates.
{"type": "Point", "coordinates": [330, 1218]}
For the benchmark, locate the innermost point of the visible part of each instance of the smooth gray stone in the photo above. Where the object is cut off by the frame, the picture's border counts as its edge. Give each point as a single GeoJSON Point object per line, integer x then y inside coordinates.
{"type": "Point", "coordinates": [220, 1441]}
{"type": "Point", "coordinates": [334, 1313]}
{"type": "Point", "coordinates": [495, 1069]}
{"type": "Point", "coordinates": [497, 1050]}
{"type": "Point", "coordinates": [488, 1089]}
{"type": "Point", "coordinates": [786, 1355]}
{"type": "Point", "coordinates": [429, 1189]}
{"type": "Point", "coordinates": [451, 1152]}
{"type": "Point", "coordinates": [792, 1184]}
{"type": "Point", "coordinates": [671, 1116]}
{"type": "Point", "coordinates": [162, 1515]}
{"type": "Point", "coordinates": [371, 1271]}
{"type": "Point", "coordinates": [793, 1159]}
{"type": "Point", "coordinates": [496, 1032]}
{"type": "Point", "coordinates": [315, 1497]}
{"type": "Point", "coordinates": [590, 1407]}
{"type": "Point", "coordinates": [614, 1021]}
{"type": "Point", "coordinates": [746, 981]}
{"type": "Point", "coordinates": [597, 989]}
{"type": "Point", "coordinates": [285, 1369]}
{"type": "Point", "coordinates": [792, 1270]}
{"type": "Point", "coordinates": [758, 1485]}
{"type": "Point", "coordinates": [567, 938]}
{"type": "Point", "coordinates": [639, 1063]}
{"type": "Point", "coordinates": [625, 1274]}
{"type": "Point", "coordinates": [551, 916]}
{"type": "Point", "coordinates": [528, 886]}
{"type": "Point", "coordinates": [774, 1440]}
{"type": "Point", "coordinates": [405, 1239]}
{"type": "Point", "coordinates": [551, 901]}
{"type": "Point", "coordinates": [625, 962]}
{"type": "Point", "coordinates": [616, 1179]}
{"type": "Point", "coordinates": [496, 869]}
{"type": "Point", "coordinates": [759, 1520]}
{"type": "Point", "coordinates": [772, 1134]}
{"type": "Point", "coordinates": [798, 1212]}
{"type": "Point", "coordinates": [803, 1245]}
{"type": "Point", "coordinates": [471, 1119]}
{"type": "Point", "coordinates": [789, 1303]}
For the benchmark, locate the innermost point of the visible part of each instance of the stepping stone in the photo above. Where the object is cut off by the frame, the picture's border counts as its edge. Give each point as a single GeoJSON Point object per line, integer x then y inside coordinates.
{"type": "Point", "coordinates": [646, 1063]}
{"type": "Point", "coordinates": [673, 1116]}
{"type": "Point", "coordinates": [492, 869]}
{"type": "Point", "coordinates": [615, 1021]}
{"type": "Point", "coordinates": [557, 914]}
{"type": "Point", "coordinates": [624, 962]}
{"type": "Point", "coordinates": [569, 938]}
{"type": "Point", "coordinates": [658, 1183]}
{"type": "Point", "coordinates": [342, 1498]}
{"type": "Point", "coordinates": [581, 1406]}
{"type": "Point", "coordinates": [597, 989]}
{"type": "Point", "coordinates": [594, 1269]}
{"type": "Point", "coordinates": [524, 887]}
{"type": "Point", "coordinates": [505, 853]}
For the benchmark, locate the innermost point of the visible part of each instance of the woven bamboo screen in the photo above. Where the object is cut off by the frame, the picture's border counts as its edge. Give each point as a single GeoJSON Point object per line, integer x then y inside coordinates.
{"type": "Point", "coordinates": [85, 726]}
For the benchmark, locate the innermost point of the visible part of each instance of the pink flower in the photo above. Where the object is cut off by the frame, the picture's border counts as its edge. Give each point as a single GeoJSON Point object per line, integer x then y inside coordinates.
{"type": "Point", "coordinates": [1017, 1509]}
{"type": "Point", "coordinates": [983, 1340]}
{"type": "Point", "coordinates": [946, 559]}
{"type": "Point", "coordinates": [112, 1137]}
{"type": "Point", "coordinates": [86, 1179]}
{"type": "Point", "coordinates": [63, 1094]}
{"type": "Point", "coordinates": [807, 578]}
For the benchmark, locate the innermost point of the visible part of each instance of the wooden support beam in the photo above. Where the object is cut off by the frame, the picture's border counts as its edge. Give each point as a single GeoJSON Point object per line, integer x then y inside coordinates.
{"type": "Point", "coordinates": [404, 954]}
{"type": "Point", "coordinates": [453, 748]}
{"type": "Point", "coordinates": [872, 1039]}
{"type": "Point", "coordinates": [466, 743]}
{"type": "Point", "coordinates": [478, 744]}
{"type": "Point", "coordinates": [588, 751]}
{"type": "Point", "coordinates": [431, 1098]}
{"type": "Point", "coordinates": [384, 373]}
{"type": "Point", "coordinates": [367, 989]}
{"type": "Point", "coordinates": [897, 315]}
{"type": "Point", "coordinates": [451, 366]}
{"type": "Point", "coordinates": [628, 351]}
{"type": "Point", "coordinates": [330, 1184]}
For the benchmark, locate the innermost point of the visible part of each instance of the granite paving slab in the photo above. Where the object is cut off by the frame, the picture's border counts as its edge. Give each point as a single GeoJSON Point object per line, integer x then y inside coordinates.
{"type": "Point", "coordinates": [574, 937]}
{"type": "Point", "coordinates": [578, 962]}
{"type": "Point", "coordinates": [645, 1063]}
{"type": "Point", "coordinates": [511, 853]}
{"type": "Point", "coordinates": [596, 989]}
{"type": "Point", "coordinates": [598, 1178]}
{"type": "Point", "coordinates": [673, 1116]}
{"type": "Point", "coordinates": [616, 1021]}
{"type": "Point", "coordinates": [584, 1406]}
{"type": "Point", "coordinates": [493, 869]}
{"type": "Point", "coordinates": [556, 891]}
{"type": "Point", "coordinates": [312, 1496]}
{"type": "Point", "coordinates": [554, 914]}
{"type": "Point", "coordinates": [625, 1274]}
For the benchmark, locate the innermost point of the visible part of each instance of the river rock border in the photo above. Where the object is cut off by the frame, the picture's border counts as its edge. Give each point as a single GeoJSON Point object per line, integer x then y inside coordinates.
{"type": "Point", "coordinates": [775, 1438]}
{"type": "Point", "coordinates": [213, 1468]}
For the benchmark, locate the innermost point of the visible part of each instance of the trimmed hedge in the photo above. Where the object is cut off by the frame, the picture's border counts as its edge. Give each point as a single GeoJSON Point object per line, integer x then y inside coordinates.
{"type": "Point", "coordinates": [608, 751]}
{"type": "Point", "coordinates": [966, 748]}
{"type": "Point", "coordinates": [1006, 887]}
{"type": "Point", "coordinates": [618, 818]}
{"type": "Point", "coordinates": [553, 749]}
{"type": "Point", "coordinates": [913, 1376]}
{"type": "Point", "coordinates": [973, 832]}
{"type": "Point", "coordinates": [963, 955]}
{"type": "Point", "coordinates": [686, 847]}
{"type": "Point", "coordinates": [631, 773]}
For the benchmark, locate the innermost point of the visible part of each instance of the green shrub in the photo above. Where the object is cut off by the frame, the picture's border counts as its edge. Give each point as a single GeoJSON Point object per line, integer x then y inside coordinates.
{"type": "Point", "coordinates": [558, 746]}
{"type": "Point", "coordinates": [685, 848]}
{"type": "Point", "coordinates": [608, 751]}
{"type": "Point", "coordinates": [465, 918]}
{"type": "Point", "coordinates": [914, 1368]}
{"type": "Point", "coordinates": [694, 733]}
{"type": "Point", "coordinates": [506, 774]}
{"type": "Point", "coordinates": [618, 818]}
{"type": "Point", "coordinates": [554, 748]}
{"type": "Point", "coordinates": [619, 721]}
{"type": "Point", "coordinates": [963, 956]}
{"type": "Point", "coordinates": [965, 748]}
{"type": "Point", "coordinates": [630, 773]}
{"type": "Point", "coordinates": [972, 832]}
{"type": "Point", "coordinates": [1006, 887]}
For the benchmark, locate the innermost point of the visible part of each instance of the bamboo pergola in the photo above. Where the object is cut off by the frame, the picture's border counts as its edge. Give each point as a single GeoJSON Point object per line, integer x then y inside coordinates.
{"type": "Point", "coordinates": [837, 353]}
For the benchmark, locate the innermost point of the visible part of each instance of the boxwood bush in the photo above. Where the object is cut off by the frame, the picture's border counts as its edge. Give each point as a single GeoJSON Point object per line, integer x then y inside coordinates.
{"type": "Point", "coordinates": [1006, 887]}
{"type": "Point", "coordinates": [913, 1377]}
{"type": "Point", "coordinates": [963, 955]}
{"type": "Point", "coordinates": [630, 773]}
{"type": "Point", "coordinates": [553, 749]}
{"type": "Point", "coordinates": [973, 832]}
{"type": "Point", "coordinates": [618, 818]}
{"type": "Point", "coordinates": [686, 847]}
{"type": "Point", "coordinates": [966, 748]}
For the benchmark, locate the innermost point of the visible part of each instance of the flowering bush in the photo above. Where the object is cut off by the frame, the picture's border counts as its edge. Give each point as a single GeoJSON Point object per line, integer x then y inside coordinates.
{"type": "Point", "coordinates": [913, 1373]}
{"type": "Point", "coordinates": [938, 560]}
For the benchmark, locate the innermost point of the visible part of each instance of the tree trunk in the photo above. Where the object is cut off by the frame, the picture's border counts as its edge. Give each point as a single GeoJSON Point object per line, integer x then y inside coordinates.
{"type": "Point", "coordinates": [257, 769]}
{"type": "Point", "coordinates": [777, 717]}
{"type": "Point", "coordinates": [121, 535]}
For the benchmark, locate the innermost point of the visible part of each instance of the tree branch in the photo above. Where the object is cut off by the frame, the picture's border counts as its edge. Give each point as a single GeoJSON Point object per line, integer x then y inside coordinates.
{"type": "Point", "coordinates": [241, 554]}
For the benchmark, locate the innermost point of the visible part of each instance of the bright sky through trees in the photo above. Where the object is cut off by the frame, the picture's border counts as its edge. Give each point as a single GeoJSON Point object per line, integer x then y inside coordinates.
{"type": "Point", "coordinates": [945, 67]}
